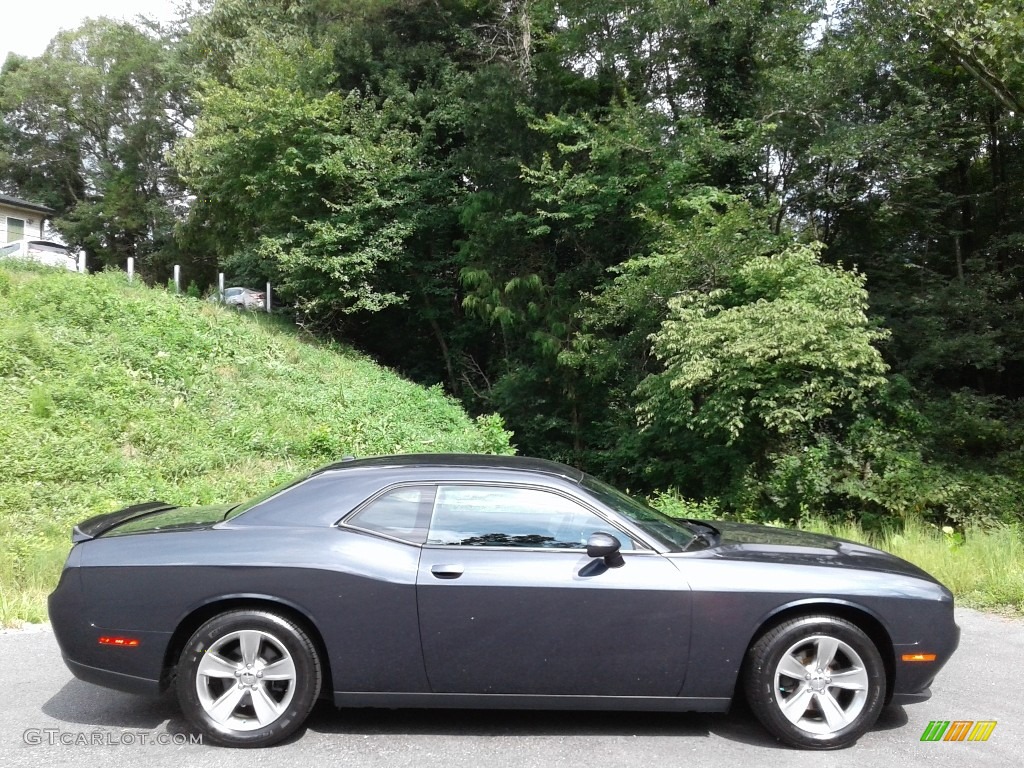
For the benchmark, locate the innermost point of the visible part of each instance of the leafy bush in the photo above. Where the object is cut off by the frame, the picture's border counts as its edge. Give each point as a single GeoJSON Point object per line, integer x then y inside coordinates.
{"type": "Point", "coordinates": [759, 375]}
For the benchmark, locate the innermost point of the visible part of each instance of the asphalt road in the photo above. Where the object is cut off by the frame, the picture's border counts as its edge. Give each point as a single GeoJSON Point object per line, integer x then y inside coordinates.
{"type": "Point", "coordinates": [76, 724]}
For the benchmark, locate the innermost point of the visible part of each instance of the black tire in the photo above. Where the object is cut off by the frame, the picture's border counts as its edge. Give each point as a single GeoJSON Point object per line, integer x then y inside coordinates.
{"type": "Point", "coordinates": [230, 702]}
{"type": "Point", "coordinates": [810, 705]}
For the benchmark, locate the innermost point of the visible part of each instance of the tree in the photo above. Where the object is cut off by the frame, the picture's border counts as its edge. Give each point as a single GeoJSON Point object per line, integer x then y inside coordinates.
{"type": "Point", "coordinates": [761, 368]}
{"type": "Point", "coordinates": [986, 39]}
{"type": "Point", "coordinates": [88, 125]}
{"type": "Point", "coordinates": [699, 242]}
{"type": "Point", "coordinates": [512, 198]}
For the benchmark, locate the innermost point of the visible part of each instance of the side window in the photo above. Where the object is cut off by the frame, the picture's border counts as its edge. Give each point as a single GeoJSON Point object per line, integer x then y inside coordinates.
{"type": "Point", "coordinates": [487, 516]}
{"type": "Point", "coordinates": [15, 229]}
{"type": "Point", "coordinates": [401, 512]}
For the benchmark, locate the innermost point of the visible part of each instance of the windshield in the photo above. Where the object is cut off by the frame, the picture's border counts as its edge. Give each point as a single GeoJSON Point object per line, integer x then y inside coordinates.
{"type": "Point", "coordinates": [247, 505]}
{"type": "Point", "coordinates": [672, 533]}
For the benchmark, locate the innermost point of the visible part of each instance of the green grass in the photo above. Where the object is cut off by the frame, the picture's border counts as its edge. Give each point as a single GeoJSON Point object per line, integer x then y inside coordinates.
{"type": "Point", "coordinates": [113, 393]}
{"type": "Point", "coordinates": [983, 566]}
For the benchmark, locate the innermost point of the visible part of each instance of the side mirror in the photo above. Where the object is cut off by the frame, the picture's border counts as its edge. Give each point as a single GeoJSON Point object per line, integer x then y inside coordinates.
{"type": "Point", "coordinates": [607, 546]}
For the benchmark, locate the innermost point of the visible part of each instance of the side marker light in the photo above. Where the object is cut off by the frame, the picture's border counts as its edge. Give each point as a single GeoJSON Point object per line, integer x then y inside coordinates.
{"type": "Point", "coordinates": [124, 642]}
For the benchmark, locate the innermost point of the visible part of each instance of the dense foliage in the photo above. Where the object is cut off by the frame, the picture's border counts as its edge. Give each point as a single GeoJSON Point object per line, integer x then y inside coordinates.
{"type": "Point", "coordinates": [765, 252]}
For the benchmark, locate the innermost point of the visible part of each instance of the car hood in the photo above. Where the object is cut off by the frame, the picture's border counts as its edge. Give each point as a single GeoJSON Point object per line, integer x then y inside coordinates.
{"type": "Point", "coordinates": [762, 543]}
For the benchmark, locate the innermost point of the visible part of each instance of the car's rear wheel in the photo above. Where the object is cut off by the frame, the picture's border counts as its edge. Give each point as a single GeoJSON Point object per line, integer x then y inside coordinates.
{"type": "Point", "coordinates": [248, 678]}
{"type": "Point", "coordinates": [816, 682]}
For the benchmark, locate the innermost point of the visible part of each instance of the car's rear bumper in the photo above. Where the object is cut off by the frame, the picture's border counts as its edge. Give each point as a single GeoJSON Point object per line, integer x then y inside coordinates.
{"type": "Point", "coordinates": [137, 668]}
{"type": "Point", "coordinates": [116, 680]}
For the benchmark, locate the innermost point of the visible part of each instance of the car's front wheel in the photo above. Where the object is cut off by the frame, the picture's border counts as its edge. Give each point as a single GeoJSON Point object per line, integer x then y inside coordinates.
{"type": "Point", "coordinates": [248, 678]}
{"type": "Point", "coordinates": [816, 682]}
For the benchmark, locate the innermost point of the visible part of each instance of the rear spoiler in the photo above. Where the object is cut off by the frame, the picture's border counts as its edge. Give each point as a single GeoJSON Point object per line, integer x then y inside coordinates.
{"type": "Point", "coordinates": [94, 526]}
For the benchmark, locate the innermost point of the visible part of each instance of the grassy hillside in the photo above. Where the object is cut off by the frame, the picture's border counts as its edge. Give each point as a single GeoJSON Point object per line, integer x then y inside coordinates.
{"type": "Point", "coordinates": [113, 393]}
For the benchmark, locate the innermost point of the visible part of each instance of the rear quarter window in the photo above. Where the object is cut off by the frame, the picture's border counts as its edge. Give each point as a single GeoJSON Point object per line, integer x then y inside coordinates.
{"type": "Point", "coordinates": [402, 513]}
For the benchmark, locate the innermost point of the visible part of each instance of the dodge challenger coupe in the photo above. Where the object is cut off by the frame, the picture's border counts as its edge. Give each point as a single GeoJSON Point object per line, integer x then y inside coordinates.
{"type": "Point", "coordinates": [490, 581]}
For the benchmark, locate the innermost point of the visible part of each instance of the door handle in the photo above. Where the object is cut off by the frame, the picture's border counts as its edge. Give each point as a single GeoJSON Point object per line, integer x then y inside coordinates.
{"type": "Point", "coordinates": [446, 571]}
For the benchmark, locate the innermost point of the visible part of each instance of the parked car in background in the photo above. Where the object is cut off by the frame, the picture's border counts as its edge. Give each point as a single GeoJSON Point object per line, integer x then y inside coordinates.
{"type": "Point", "coordinates": [41, 252]}
{"type": "Point", "coordinates": [490, 582]}
{"type": "Point", "coordinates": [245, 298]}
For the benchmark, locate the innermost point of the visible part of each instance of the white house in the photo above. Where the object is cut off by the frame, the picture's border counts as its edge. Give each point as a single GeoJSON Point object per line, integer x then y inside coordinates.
{"type": "Point", "coordinates": [20, 219]}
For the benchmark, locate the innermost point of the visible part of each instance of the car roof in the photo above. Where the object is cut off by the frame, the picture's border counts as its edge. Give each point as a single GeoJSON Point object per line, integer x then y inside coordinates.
{"type": "Point", "coordinates": [354, 480]}
{"type": "Point", "coordinates": [458, 461]}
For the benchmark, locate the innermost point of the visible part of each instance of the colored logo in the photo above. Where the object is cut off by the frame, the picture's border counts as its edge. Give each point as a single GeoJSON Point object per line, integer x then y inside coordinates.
{"type": "Point", "coordinates": [958, 730]}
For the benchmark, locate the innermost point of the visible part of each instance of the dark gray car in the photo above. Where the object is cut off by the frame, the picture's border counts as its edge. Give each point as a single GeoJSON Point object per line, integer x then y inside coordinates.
{"type": "Point", "coordinates": [485, 581]}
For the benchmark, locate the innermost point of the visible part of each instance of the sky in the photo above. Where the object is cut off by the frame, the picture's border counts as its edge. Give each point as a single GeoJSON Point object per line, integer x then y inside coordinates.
{"type": "Point", "coordinates": [28, 25]}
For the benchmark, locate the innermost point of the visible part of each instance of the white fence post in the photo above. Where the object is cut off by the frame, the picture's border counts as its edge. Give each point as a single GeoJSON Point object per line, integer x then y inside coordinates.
{"type": "Point", "coordinates": [131, 268]}
{"type": "Point", "coordinates": [220, 287]}
{"type": "Point", "coordinates": [268, 298]}
{"type": "Point", "coordinates": [177, 278]}
{"type": "Point", "coordinates": [81, 261]}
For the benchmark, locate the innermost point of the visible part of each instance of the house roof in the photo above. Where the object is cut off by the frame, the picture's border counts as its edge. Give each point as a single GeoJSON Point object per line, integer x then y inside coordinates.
{"type": "Point", "coordinates": [15, 202]}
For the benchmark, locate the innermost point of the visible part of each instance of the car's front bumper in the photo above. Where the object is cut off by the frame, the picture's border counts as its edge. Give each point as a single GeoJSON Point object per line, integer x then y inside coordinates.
{"type": "Point", "coordinates": [913, 679]}
{"type": "Point", "coordinates": [911, 698]}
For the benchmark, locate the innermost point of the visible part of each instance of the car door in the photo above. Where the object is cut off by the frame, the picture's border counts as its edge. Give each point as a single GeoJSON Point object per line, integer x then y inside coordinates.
{"type": "Point", "coordinates": [510, 603]}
